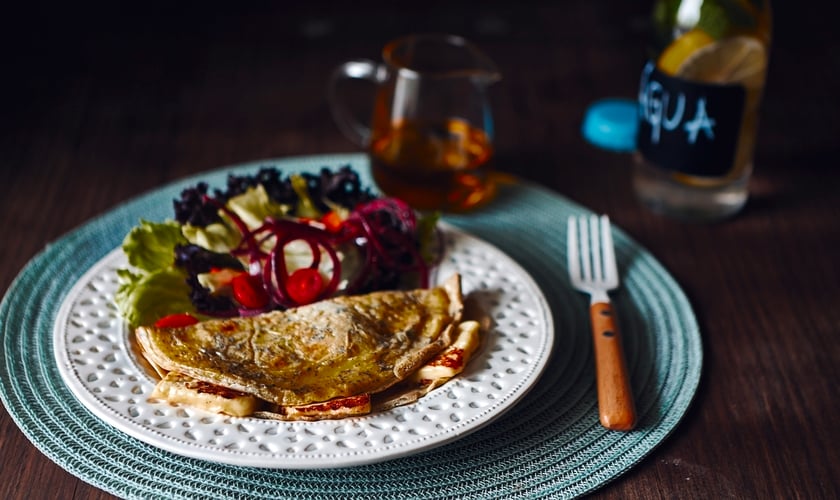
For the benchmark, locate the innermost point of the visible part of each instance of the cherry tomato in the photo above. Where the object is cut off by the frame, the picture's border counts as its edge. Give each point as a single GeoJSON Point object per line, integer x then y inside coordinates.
{"type": "Point", "coordinates": [332, 221]}
{"type": "Point", "coordinates": [248, 291]}
{"type": "Point", "coordinates": [304, 285]}
{"type": "Point", "coordinates": [176, 320]}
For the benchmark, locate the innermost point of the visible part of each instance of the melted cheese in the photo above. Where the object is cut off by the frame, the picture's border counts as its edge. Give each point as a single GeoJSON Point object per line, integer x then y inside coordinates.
{"type": "Point", "coordinates": [181, 389]}
{"type": "Point", "coordinates": [454, 358]}
{"type": "Point", "coordinates": [334, 408]}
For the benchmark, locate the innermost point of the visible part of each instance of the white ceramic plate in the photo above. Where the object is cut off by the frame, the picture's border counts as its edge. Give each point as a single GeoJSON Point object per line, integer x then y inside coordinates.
{"type": "Point", "coordinates": [96, 361]}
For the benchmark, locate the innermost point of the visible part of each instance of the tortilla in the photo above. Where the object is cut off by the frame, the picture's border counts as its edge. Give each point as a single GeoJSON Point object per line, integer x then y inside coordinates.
{"type": "Point", "coordinates": [329, 351]}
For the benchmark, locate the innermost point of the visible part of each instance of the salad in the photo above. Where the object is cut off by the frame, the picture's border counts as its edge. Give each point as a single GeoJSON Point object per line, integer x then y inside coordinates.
{"type": "Point", "coordinates": [269, 242]}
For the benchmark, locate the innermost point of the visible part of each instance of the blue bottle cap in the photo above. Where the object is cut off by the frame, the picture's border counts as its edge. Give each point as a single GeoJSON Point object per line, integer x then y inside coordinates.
{"type": "Point", "coordinates": [612, 124]}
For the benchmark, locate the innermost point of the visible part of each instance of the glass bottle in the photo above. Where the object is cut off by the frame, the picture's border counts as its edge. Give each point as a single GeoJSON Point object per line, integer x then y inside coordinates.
{"type": "Point", "coordinates": [699, 99]}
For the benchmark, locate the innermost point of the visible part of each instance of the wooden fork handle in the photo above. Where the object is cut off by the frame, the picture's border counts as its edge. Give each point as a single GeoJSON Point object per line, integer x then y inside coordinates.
{"type": "Point", "coordinates": [615, 398]}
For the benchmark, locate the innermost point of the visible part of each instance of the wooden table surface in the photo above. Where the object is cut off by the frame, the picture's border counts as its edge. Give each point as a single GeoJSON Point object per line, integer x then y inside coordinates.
{"type": "Point", "coordinates": [102, 104]}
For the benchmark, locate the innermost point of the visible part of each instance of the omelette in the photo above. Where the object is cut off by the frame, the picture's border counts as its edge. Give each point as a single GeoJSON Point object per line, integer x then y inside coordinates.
{"type": "Point", "coordinates": [341, 356]}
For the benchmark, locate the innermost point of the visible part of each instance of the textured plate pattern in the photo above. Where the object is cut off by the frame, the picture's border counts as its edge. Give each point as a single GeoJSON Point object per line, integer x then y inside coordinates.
{"type": "Point", "coordinates": [94, 354]}
{"type": "Point", "coordinates": [547, 445]}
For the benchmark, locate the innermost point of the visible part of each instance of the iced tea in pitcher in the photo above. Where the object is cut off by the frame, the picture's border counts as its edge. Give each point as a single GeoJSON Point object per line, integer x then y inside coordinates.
{"type": "Point", "coordinates": [433, 164]}
{"type": "Point", "coordinates": [431, 133]}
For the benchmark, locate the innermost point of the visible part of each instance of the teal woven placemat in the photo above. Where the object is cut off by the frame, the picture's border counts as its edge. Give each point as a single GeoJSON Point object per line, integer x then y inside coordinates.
{"type": "Point", "coordinates": [549, 445]}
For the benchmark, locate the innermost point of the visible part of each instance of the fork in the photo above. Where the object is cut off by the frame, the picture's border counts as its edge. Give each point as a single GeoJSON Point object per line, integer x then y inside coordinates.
{"type": "Point", "coordinates": [593, 270]}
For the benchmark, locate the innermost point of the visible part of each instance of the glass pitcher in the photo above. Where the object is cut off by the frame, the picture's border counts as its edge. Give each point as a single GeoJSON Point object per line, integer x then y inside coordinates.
{"type": "Point", "coordinates": [430, 138]}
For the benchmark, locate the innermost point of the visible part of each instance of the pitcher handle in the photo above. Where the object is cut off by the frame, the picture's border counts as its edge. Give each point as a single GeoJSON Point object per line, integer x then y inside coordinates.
{"type": "Point", "coordinates": [349, 125]}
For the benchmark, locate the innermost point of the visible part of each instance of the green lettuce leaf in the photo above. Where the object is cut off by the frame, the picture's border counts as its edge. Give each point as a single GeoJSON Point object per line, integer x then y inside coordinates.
{"type": "Point", "coordinates": [143, 298]}
{"type": "Point", "coordinates": [154, 287]}
{"type": "Point", "coordinates": [254, 205]}
{"type": "Point", "coordinates": [150, 246]}
{"type": "Point", "coordinates": [427, 236]}
{"type": "Point", "coordinates": [218, 237]}
{"type": "Point", "coordinates": [306, 205]}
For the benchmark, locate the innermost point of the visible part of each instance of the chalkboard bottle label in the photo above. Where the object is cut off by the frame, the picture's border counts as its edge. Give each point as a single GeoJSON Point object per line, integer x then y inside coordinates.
{"type": "Point", "coordinates": [689, 127]}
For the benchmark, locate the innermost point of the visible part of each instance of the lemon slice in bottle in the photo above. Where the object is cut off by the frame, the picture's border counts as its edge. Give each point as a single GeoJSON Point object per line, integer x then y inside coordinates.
{"type": "Point", "coordinates": [739, 59]}
{"type": "Point", "coordinates": [675, 54]}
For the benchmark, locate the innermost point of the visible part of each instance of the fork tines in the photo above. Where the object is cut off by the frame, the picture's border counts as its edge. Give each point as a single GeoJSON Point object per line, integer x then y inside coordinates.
{"type": "Point", "coordinates": [591, 251]}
